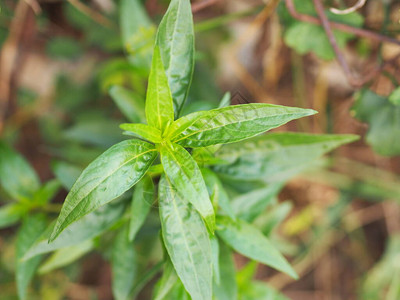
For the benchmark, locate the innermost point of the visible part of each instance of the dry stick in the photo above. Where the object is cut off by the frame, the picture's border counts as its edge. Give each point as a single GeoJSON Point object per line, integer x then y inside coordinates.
{"type": "Point", "coordinates": [342, 61]}
{"type": "Point", "coordinates": [343, 27]}
{"type": "Point", "coordinates": [201, 5]}
{"type": "Point", "coordinates": [9, 57]}
{"type": "Point", "coordinates": [97, 17]}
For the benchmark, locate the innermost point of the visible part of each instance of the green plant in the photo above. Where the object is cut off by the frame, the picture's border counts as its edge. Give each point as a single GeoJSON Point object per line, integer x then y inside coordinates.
{"type": "Point", "coordinates": [207, 197]}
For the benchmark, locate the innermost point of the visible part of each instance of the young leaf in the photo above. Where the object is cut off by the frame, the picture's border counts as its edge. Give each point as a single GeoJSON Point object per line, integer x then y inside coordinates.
{"type": "Point", "coordinates": [109, 176]}
{"type": "Point", "coordinates": [129, 103]}
{"type": "Point", "coordinates": [231, 124]}
{"type": "Point", "coordinates": [250, 242]}
{"type": "Point", "coordinates": [17, 177]}
{"type": "Point", "coordinates": [124, 265]}
{"type": "Point", "coordinates": [175, 37]}
{"type": "Point", "coordinates": [275, 157]}
{"type": "Point", "coordinates": [9, 215]}
{"type": "Point", "coordinates": [47, 192]}
{"type": "Point", "coordinates": [149, 133]}
{"type": "Point", "coordinates": [159, 108]}
{"type": "Point", "coordinates": [31, 228]}
{"type": "Point", "coordinates": [184, 174]}
{"type": "Point", "coordinates": [225, 101]}
{"type": "Point", "coordinates": [166, 282]}
{"type": "Point", "coordinates": [142, 201]}
{"type": "Point", "coordinates": [227, 288]}
{"type": "Point", "coordinates": [88, 227]}
{"type": "Point", "coordinates": [186, 240]}
{"type": "Point", "coordinates": [66, 256]}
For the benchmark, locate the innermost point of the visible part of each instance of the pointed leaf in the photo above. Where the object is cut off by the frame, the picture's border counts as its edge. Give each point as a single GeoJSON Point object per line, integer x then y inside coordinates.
{"type": "Point", "coordinates": [175, 37]}
{"type": "Point", "coordinates": [227, 288]}
{"type": "Point", "coordinates": [225, 101]}
{"type": "Point", "coordinates": [186, 240]}
{"type": "Point", "coordinates": [88, 227]}
{"type": "Point", "coordinates": [109, 176]}
{"type": "Point", "coordinates": [66, 173]}
{"type": "Point", "coordinates": [124, 264]}
{"type": "Point", "coordinates": [250, 242]}
{"type": "Point", "coordinates": [184, 174]}
{"type": "Point", "coordinates": [129, 103]}
{"type": "Point", "coordinates": [31, 228]}
{"type": "Point", "coordinates": [147, 132]}
{"type": "Point", "coordinates": [159, 108]}
{"type": "Point", "coordinates": [231, 124]}
{"type": "Point", "coordinates": [142, 201]}
{"type": "Point", "coordinates": [17, 177]}
{"type": "Point", "coordinates": [276, 157]}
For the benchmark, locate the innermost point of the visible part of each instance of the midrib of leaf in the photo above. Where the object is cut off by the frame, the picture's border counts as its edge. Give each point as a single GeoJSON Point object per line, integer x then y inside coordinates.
{"type": "Point", "coordinates": [173, 40]}
{"type": "Point", "coordinates": [96, 186]}
{"type": "Point", "coordinates": [220, 126]}
{"type": "Point", "coordinates": [183, 231]}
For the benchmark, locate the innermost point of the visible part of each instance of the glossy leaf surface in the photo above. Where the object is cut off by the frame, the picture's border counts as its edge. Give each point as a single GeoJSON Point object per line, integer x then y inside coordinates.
{"type": "Point", "coordinates": [106, 178]}
{"type": "Point", "coordinates": [175, 37]}
{"type": "Point", "coordinates": [250, 242]}
{"type": "Point", "coordinates": [159, 108]}
{"type": "Point", "coordinates": [142, 201]}
{"type": "Point", "coordinates": [231, 124]}
{"type": "Point", "coordinates": [186, 240]}
{"type": "Point", "coordinates": [17, 177]}
{"type": "Point", "coordinates": [184, 174]}
{"type": "Point", "coordinates": [149, 133]}
{"type": "Point", "coordinates": [276, 157]}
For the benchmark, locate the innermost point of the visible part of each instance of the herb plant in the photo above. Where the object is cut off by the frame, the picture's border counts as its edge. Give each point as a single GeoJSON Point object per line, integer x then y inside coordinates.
{"type": "Point", "coordinates": [204, 178]}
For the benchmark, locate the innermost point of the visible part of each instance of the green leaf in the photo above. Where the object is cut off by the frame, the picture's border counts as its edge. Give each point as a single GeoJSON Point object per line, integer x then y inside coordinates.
{"type": "Point", "coordinates": [124, 264]}
{"type": "Point", "coordinates": [66, 173]}
{"type": "Point", "coordinates": [305, 37]}
{"type": "Point", "coordinates": [267, 222]}
{"type": "Point", "coordinates": [250, 242]}
{"type": "Point", "coordinates": [215, 258]}
{"type": "Point", "coordinates": [249, 205]}
{"type": "Point", "coordinates": [17, 177]}
{"type": "Point", "coordinates": [62, 47]}
{"type": "Point", "coordinates": [175, 37]}
{"type": "Point", "coordinates": [231, 124]}
{"type": "Point", "coordinates": [184, 174]}
{"type": "Point", "coordinates": [142, 201]}
{"type": "Point", "coordinates": [88, 227]}
{"type": "Point", "coordinates": [394, 97]}
{"type": "Point", "coordinates": [215, 187]}
{"type": "Point", "coordinates": [30, 230]}
{"type": "Point", "coordinates": [275, 157]}
{"type": "Point", "coordinates": [166, 282]}
{"type": "Point", "coordinates": [66, 256]}
{"type": "Point", "coordinates": [383, 118]}
{"type": "Point", "coordinates": [47, 192]}
{"type": "Point", "coordinates": [129, 103]}
{"type": "Point", "coordinates": [227, 288]}
{"type": "Point", "coordinates": [106, 178]}
{"type": "Point", "coordinates": [147, 132]}
{"type": "Point", "coordinates": [10, 214]}
{"type": "Point", "coordinates": [259, 290]}
{"type": "Point", "coordinates": [186, 240]}
{"type": "Point", "coordinates": [138, 32]}
{"type": "Point", "coordinates": [159, 108]}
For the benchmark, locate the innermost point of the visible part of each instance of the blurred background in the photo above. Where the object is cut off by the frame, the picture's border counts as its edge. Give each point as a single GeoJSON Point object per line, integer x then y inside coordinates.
{"type": "Point", "coordinates": [339, 220]}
